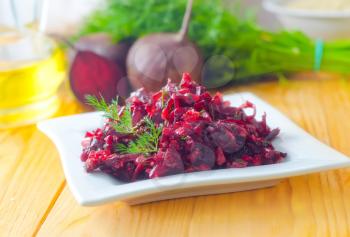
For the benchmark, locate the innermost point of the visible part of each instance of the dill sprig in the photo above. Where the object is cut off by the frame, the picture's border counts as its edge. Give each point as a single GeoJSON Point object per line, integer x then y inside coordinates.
{"type": "Point", "coordinates": [110, 111]}
{"type": "Point", "coordinates": [124, 124]}
{"type": "Point", "coordinates": [146, 142]}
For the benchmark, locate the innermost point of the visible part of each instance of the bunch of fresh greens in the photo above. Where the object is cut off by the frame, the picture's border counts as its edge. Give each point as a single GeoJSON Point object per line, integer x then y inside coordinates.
{"type": "Point", "coordinates": [219, 31]}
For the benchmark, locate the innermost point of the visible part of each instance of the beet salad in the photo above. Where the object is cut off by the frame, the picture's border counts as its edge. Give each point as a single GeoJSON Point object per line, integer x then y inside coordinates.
{"type": "Point", "coordinates": [178, 129]}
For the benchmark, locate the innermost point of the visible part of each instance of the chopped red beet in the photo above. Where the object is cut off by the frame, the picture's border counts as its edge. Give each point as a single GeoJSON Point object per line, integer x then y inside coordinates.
{"type": "Point", "coordinates": [199, 132]}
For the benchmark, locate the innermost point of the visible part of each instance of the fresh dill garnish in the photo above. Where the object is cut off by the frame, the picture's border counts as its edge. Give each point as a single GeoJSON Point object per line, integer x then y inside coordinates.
{"type": "Point", "coordinates": [124, 124]}
{"type": "Point", "coordinates": [110, 111]}
{"type": "Point", "coordinates": [146, 142]}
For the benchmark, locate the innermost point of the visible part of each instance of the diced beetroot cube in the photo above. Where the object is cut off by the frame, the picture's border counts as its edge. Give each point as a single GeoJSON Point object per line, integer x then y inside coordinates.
{"type": "Point", "coordinates": [239, 164]}
{"type": "Point", "coordinates": [201, 156]}
{"type": "Point", "coordinates": [171, 164]}
{"type": "Point", "coordinates": [230, 138]}
{"type": "Point", "coordinates": [220, 156]}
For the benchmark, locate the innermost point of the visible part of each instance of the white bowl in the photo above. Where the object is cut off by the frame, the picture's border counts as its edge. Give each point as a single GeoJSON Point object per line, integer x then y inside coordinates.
{"type": "Point", "coordinates": [317, 24]}
{"type": "Point", "coordinates": [305, 155]}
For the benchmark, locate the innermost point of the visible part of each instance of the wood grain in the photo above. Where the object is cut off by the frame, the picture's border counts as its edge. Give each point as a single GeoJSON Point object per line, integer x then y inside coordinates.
{"type": "Point", "coordinates": [35, 200]}
{"type": "Point", "coordinates": [30, 176]}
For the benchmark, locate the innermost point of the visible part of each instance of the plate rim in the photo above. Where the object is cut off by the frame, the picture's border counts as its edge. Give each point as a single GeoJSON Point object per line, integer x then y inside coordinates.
{"type": "Point", "coordinates": [85, 198]}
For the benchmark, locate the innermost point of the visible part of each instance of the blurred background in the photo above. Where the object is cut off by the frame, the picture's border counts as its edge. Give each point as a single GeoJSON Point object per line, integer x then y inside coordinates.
{"type": "Point", "coordinates": [80, 9]}
{"type": "Point", "coordinates": [89, 46]}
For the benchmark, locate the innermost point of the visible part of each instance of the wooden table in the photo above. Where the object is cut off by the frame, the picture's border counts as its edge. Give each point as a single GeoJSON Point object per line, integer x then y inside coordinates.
{"type": "Point", "coordinates": [35, 199]}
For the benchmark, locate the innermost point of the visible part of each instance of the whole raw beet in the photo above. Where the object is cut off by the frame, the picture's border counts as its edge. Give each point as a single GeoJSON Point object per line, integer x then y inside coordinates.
{"type": "Point", "coordinates": [98, 67]}
{"type": "Point", "coordinates": [155, 58]}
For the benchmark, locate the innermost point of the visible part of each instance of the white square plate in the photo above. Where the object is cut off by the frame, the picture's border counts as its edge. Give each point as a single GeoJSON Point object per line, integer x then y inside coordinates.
{"type": "Point", "coordinates": [305, 155]}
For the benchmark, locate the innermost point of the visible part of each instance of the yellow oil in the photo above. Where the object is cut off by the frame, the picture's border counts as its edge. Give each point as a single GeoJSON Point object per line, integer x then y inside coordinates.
{"type": "Point", "coordinates": [28, 89]}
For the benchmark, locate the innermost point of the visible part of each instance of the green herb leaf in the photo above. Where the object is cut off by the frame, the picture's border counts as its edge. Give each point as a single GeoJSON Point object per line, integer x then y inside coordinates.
{"type": "Point", "coordinates": [146, 142]}
{"type": "Point", "coordinates": [99, 105]}
{"type": "Point", "coordinates": [110, 111]}
{"type": "Point", "coordinates": [124, 124]}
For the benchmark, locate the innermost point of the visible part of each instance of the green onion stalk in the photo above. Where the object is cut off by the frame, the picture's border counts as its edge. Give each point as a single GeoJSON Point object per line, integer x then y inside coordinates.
{"type": "Point", "coordinates": [221, 30]}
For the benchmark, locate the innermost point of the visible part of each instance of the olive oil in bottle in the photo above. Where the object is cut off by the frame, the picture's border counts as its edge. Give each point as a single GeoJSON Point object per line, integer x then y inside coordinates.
{"type": "Point", "coordinates": [32, 68]}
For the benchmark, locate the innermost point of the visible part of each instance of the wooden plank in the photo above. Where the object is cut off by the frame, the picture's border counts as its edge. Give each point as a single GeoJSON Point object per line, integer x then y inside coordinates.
{"type": "Point", "coordinates": [311, 205]}
{"type": "Point", "coordinates": [30, 176]}
{"type": "Point", "coordinates": [118, 219]}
